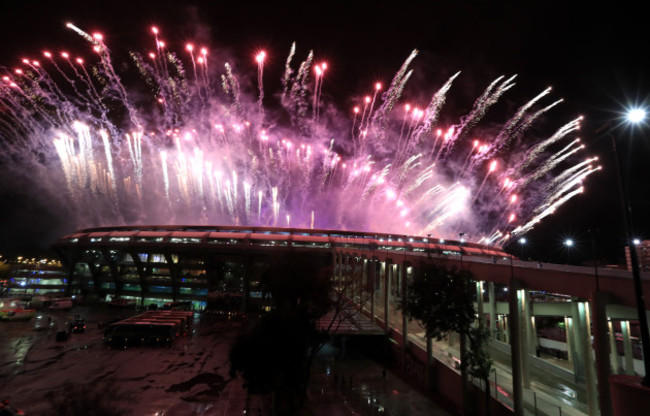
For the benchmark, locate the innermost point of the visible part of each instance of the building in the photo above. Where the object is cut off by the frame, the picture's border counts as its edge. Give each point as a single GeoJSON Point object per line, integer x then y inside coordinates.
{"type": "Point", "coordinates": [208, 265]}
{"type": "Point", "coordinates": [29, 277]}
{"type": "Point", "coordinates": [643, 255]}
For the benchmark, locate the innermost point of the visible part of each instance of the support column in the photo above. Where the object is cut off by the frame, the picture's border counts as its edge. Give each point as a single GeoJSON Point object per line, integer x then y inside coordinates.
{"type": "Point", "coordinates": [515, 346]}
{"type": "Point", "coordinates": [388, 273]}
{"type": "Point", "coordinates": [339, 267]}
{"type": "Point", "coordinates": [404, 276]}
{"type": "Point", "coordinates": [576, 344]}
{"type": "Point", "coordinates": [141, 274]}
{"type": "Point", "coordinates": [371, 288]}
{"type": "Point", "coordinates": [356, 279]}
{"type": "Point", "coordinates": [627, 348]}
{"type": "Point", "coordinates": [430, 374]}
{"type": "Point", "coordinates": [364, 284]}
{"type": "Point", "coordinates": [505, 328]}
{"type": "Point", "coordinates": [381, 283]}
{"type": "Point", "coordinates": [613, 350]}
{"type": "Point", "coordinates": [479, 302]}
{"type": "Point", "coordinates": [584, 354]}
{"type": "Point", "coordinates": [524, 325]}
{"type": "Point", "coordinates": [601, 345]}
{"type": "Point", "coordinates": [568, 329]}
{"type": "Point", "coordinates": [364, 274]}
{"type": "Point", "coordinates": [531, 334]}
{"type": "Point", "coordinates": [492, 309]}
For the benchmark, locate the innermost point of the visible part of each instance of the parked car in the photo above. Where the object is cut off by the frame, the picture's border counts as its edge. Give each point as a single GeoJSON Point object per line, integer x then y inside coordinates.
{"type": "Point", "coordinates": [79, 325]}
{"type": "Point", "coordinates": [62, 335]}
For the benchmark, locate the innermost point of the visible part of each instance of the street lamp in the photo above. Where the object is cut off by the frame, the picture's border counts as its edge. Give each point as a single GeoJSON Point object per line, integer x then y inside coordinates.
{"type": "Point", "coordinates": [460, 247]}
{"type": "Point", "coordinates": [634, 116]}
{"type": "Point", "coordinates": [568, 243]}
{"type": "Point", "coordinates": [594, 253]}
{"type": "Point", "coordinates": [522, 242]}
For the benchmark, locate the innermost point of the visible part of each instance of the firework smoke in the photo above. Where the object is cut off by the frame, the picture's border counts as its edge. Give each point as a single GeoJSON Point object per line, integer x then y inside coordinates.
{"type": "Point", "coordinates": [200, 148]}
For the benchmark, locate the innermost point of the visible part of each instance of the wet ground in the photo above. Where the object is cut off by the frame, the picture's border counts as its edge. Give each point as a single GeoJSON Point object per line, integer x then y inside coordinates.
{"type": "Point", "coordinates": [191, 378]}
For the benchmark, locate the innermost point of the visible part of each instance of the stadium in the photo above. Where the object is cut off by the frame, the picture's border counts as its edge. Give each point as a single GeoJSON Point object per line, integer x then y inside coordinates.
{"type": "Point", "coordinates": [212, 264]}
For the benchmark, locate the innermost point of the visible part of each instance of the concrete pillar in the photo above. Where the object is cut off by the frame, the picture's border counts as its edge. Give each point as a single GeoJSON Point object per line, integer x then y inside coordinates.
{"type": "Point", "coordinates": [613, 350]}
{"type": "Point", "coordinates": [479, 302]}
{"type": "Point", "coordinates": [628, 355]}
{"type": "Point", "coordinates": [366, 283]}
{"type": "Point", "coordinates": [505, 328]}
{"type": "Point", "coordinates": [430, 373]}
{"type": "Point", "coordinates": [381, 282]}
{"type": "Point", "coordinates": [405, 274]}
{"type": "Point", "coordinates": [582, 336]}
{"type": "Point", "coordinates": [492, 309]}
{"type": "Point", "coordinates": [371, 288]}
{"type": "Point", "coordinates": [388, 273]}
{"type": "Point", "coordinates": [364, 274]}
{"type": "Point", "coordinates": [339, 267]}
{"type": "Point", "coordinates": [515, 346]}
{"type": "Point", "coordinates": [568, 329]}
{"type": "Point", "coordinates": [357, 278]}
{"type": "Point", "coordinates": [523, 300]}
{"type": "Point", "coordinates": [531, 334]}
{"type": "Point", "coordinates": [601, 350]}
{"type": "Point", "coordinates": [533, 342]}
{"type": "Point", "coordinates": [576, 344]}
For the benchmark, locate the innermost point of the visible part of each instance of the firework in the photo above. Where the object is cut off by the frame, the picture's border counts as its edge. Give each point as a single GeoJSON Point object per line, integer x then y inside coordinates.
{"type": "Point", "coordinates": [200, 147]}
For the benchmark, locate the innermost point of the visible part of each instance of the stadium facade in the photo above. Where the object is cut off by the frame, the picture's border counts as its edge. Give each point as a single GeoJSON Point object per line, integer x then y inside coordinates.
{"type": "Point", "coordinates": [211, 264]}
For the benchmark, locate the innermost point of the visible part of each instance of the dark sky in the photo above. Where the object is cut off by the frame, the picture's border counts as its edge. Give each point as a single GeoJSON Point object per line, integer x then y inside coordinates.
{"type": "Point", "coordinates": [593, 54]}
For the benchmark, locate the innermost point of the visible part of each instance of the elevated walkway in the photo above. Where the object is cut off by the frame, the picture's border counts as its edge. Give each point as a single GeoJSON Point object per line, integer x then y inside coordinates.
{"type": "Point", "coordinates": [349, 322]}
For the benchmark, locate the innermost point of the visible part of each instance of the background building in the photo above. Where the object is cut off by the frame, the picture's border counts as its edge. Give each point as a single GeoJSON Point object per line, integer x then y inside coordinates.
{"type": "Point", "coordinates": [643, 254]}
{"type": "Point", "coordinates": [29, 277]}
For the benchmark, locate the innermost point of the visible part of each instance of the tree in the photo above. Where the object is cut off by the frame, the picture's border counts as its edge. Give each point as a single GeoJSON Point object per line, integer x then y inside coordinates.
{"type": "Point", "coordinates": [441, 301]}
{"type": "Point", "coordinates": [273, 358]}
{"type": "Point", "coordinates": [478, 360]}
{"type": "Point", "coordinates": [308, 306]}
{"type": "Point", "coordinates": [276, 353]}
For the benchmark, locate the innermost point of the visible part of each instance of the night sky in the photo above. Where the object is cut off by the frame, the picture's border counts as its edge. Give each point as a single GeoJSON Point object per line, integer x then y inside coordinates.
{"type": "Point", "coordinates": [593, 55]}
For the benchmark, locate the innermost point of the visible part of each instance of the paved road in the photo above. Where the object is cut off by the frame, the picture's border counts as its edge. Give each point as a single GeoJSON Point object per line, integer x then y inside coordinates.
{"type": "Point", "coordinates": [189, 379]}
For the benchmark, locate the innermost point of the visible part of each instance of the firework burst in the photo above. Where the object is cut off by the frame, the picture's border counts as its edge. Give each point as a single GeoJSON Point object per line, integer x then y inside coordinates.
{"type": "Point", "coordinates": [200, 148]}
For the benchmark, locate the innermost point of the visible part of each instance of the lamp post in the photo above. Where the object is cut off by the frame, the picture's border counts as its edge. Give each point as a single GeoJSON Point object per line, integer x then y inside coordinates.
{"type": "Point", "coordinates": [595, 255]}
{"type": "Point", "coordinates": [460, 247]}
{"type": "Point", "coordinates": [522, 242]}
{"type": "Point", "coordinates": [634, 116]}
